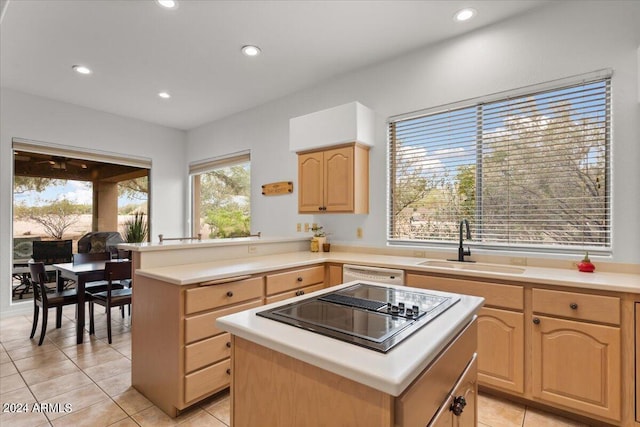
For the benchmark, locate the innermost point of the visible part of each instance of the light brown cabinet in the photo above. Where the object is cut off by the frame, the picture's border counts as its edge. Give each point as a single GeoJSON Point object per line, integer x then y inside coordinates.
{"type": "Point", "coordinates": [334, 180]}
{"type": "Point", "coordinates": [272, 388]}
{"type": "Point", "coordinates": [577, 363]}
{"type": "Point", "coordinates": [454, 413]}
{"type": "Point", "coordinates": [569, 354]}
{"type": "Point", "coordinates": [179, 356]}
{"type": "Point", "coordinates": [500, 327]}
{"type": "Point", "coordinates": [292, 283]}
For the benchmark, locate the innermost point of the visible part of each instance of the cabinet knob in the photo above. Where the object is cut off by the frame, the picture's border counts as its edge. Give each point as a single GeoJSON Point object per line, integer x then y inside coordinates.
{"type": "Point", "coordinates": [228, 344]}
{"type": "Point", "coordinates": [573, 306]}
{"type": "Point", "coordinates": [536, 320]}
{"type": "Point", "coordinates": [228, 371]}
{"type": "Point", "coordinates": [298, 293]}
{"type": "Point", "coordinates": [299, 279]}
{"type": "Point", "coordinates": [319, 208]}
{"type": "Point", "coordinates": [229, 294]}
{"type": "Point", "coordinates": [458, 405]}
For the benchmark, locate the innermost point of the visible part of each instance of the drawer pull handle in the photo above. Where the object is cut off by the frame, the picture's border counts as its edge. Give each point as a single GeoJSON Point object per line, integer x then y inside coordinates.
{"type": "Point", "coordinates": [228, 344]}
{"type": "Point", "coordinates": [299, 279]}
{"type": "Point", "coordinates": [458, 405]}
{"type": "Point", "coordinates": [573, 306]}
{"type": "Point", "coordinates": [298, 293]}
{"type": "Point", "coordinates": [228, 371]}
{"type": "Point", "coordinates": [229, 294]}
{"type": "Point", "coordinates": [536, 320]}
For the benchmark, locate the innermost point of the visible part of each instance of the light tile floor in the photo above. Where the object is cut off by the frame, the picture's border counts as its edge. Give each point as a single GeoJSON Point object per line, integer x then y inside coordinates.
{"type": "Point", "coordinates": [64, 384]}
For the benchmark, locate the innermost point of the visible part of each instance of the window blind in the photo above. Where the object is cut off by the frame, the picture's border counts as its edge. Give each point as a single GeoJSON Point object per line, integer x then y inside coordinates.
{"type": "Point", "coordinates": [219, 162]}
{"type": "Point", "coordinates": [528, 171]}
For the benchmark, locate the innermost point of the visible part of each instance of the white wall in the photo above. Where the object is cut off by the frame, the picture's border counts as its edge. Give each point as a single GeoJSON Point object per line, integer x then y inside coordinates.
{"type": "Point", "coordinates": [557, 41]}
{"type": "Point", "coordinates": [39, 119]}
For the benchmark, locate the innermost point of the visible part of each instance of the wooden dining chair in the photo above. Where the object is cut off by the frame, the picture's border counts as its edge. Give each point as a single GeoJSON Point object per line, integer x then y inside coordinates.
{"type": "Point", "coordinates": [46, 298]}
{"type": "Point", "coordinates": [113, 271]}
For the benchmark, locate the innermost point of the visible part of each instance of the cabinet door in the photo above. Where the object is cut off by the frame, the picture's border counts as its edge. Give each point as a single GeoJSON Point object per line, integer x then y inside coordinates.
{"type": "Point", "coordinates": [467, 387]}
{"type": "Point", "coordinates": [577, 365]}
{"type": "Point", "coordinates": [310, 182]}
{"type": "Point", "coordinates": [338, 179]}
{"type": "Point", "coordinates": [501, 349]}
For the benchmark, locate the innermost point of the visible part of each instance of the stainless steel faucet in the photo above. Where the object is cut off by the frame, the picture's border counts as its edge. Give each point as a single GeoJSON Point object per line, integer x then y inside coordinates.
{"type": "Point", "coordinates": [461, 251]}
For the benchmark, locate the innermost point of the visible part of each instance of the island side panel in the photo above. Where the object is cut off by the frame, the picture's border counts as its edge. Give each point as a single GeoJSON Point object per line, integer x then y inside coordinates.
{"type": "Point", "coordinates": [156, 334]}
{"type": "Point", "coordinates": [283, 391]}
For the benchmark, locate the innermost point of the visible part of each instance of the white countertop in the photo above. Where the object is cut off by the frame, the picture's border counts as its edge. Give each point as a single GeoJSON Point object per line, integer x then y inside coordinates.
{"type": "Point", "coordinates": [390, 373]}
{"type": "Point", "coordinates": [187, 274]}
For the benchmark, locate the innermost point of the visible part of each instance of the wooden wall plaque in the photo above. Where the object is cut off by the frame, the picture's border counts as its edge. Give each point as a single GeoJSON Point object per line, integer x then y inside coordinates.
{"type": "Point", "coordinates": [276, 188]}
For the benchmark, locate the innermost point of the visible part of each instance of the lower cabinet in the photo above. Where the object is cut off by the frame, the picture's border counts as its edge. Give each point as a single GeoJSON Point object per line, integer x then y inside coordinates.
{"type": "Point", "coordinates": [571, 348]}
{"type": "Point", "coordinates": [576, 351]}
{"type": "Point", "coordinates": [292, 283]}
{"type": "Point", "coordinates": [501, 346]}
{"type": "Point", "coordinates": [461, 409]}
{"type": "Point", "coordinates": [500, 328]}
{"type": "Point", "coordinates": [577, 365]}
{"type": "Point", "coordinates": [273, 389]}
{"type": "Point", "coordinates": [179, 356]}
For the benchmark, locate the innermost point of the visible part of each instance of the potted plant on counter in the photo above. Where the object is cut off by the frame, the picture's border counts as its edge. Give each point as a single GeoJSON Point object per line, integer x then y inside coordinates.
{"type": "Point", "coordinates": [319, 238]}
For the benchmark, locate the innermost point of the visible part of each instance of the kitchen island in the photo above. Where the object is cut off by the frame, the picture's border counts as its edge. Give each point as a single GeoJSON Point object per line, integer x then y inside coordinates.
{"type": "Point", "coordinates": [283, 375]}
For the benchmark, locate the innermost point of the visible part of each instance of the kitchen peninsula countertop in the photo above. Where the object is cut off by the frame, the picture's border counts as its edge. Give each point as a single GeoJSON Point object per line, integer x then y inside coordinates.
{"type": "Point", "coordinates": [390, 372]}
{"type": "Point", "coordinates": [187, 274]}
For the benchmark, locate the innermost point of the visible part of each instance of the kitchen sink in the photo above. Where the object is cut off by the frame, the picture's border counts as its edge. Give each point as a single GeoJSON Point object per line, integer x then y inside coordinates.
{"type": "Point", "coordinates": [489, 268]}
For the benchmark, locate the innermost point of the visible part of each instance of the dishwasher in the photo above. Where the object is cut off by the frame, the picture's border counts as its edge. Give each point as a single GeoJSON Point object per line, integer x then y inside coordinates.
{"type": "Point", "coordinates": [374, 274]}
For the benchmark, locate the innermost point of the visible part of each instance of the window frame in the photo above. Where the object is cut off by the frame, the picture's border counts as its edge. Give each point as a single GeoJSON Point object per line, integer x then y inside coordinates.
{"type": "Point", "coordinates": [200, 167]}
{"type": "Point", "coordinates": [477, 103]}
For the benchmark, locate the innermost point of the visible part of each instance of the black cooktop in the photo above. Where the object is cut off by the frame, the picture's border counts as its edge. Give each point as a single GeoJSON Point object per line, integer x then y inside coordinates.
{"type": "Point", "coordinates": [375, 317]}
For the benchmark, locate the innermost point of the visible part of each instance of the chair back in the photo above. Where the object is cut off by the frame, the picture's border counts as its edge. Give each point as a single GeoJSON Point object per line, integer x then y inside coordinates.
{"type": "Point", "coordinates": [116, 270]}
{"type": "Point", "coordinates": [52, 251]}
{"type": "Point", "coordinates": [38, 279]}
{"type": "Point", "coordinates": [90, 257]}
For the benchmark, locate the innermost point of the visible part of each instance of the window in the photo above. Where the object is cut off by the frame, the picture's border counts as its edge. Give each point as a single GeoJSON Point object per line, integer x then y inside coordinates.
{"type": "Point", "coordinates": [529, 171]}
{"type": "Point", "coordinates": [221, 194]}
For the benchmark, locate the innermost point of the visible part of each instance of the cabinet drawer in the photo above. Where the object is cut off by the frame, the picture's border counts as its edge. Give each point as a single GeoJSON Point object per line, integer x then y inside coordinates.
{"type": "Point", "coordinates": [495, 295]}
{"type": "Point", "coordinates": [207, 380]}
{"type": "Point", "coordinates": [303, 277]}
{"type": "Point", "coordinates": [596, 308]}
{"type": "Point", "coordinates": [421, 400]}
{"type": "Point", "coordinates": [202, 326]}
{"type": "Point", "coordinates": [294, 293]}
{"type": "Point", "coordinates": [206, 352]}
{"type": "Point", "coordinates": [218, 295]}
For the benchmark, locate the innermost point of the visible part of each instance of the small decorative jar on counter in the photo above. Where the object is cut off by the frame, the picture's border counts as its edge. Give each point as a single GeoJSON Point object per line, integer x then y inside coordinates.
{"type": "Point", "coordinates": [315, 246]}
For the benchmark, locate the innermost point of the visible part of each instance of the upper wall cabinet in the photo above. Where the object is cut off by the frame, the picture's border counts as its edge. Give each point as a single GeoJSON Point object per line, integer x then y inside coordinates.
{"type": "Point", "coordinates": [334, 180]}
{"type": "Point", "coordinates": [346, 123]}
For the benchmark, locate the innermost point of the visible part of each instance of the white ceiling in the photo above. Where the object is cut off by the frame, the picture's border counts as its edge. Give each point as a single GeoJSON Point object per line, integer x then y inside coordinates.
{"type": "Point", "coordinates": [137, 49]}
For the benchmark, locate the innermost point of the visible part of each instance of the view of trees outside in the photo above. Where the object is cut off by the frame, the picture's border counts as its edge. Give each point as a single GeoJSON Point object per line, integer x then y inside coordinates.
{"type": "Point", "coordinates": [225, 195]}
{"type": "Point", "coordinates": [526, 171]}
{"type": "Point", "coordinates": [57, 209]}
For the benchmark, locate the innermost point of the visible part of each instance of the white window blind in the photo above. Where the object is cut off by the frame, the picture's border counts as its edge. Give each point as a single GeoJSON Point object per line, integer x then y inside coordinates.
{"type": "Point", "coordinates": [527, 171]}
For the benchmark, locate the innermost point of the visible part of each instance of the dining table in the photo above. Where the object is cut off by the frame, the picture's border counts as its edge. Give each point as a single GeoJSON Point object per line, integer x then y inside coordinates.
{"type": "Point", "coordinates": [81, 274]}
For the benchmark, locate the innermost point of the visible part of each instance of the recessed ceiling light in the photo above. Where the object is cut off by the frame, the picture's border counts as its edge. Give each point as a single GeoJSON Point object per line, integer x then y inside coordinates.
{"type": "Point", "coordinates": [250, 50]}
{"type": "Point", "coordinates": [81, 69]}
{"type": "Point", "coordinates": [168, 4]}
{"type": "Point", "coordinates": [464, 14]}
{"type": "Point", "coordinates": [164, 95]}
